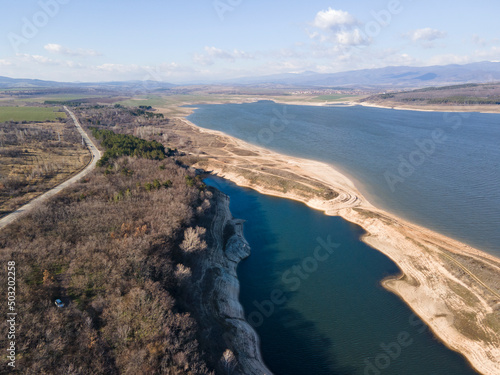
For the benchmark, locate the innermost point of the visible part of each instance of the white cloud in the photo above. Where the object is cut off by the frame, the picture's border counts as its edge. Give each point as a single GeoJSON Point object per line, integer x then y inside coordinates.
{"type": "Point", "coordinates": [213, 53]}
{"type": "Point", "coordinates": [333, 18]}
{"type": "Point", "coordinates": [218, 53]}
{"type": "Point", "coordinates": [36, 59]}
{"type": "Point", "coordinates": [351, 38]}
{"type": "Point", "coordinates": [117, 68]}
{"type": "Point", "coordinates": [57, 48]}
{"type": "Point", "coordinates": [447, 59]}
{"type": "Point", "coordinates": [202, 59]}
{"type": "Point", "coordinates": [43, 60]}
{"type": "Point", "coordinates": [476, 39]}
{"type": "Point", "coordinates": [346, 37]}
{"type": "Point", "coordinates": [334, 60]}
{"type": "Point", "coordinates": [492, 54]}
{"type": "Point", "coordinates": [161, 72]}
{"type": "Point", "coordinates": [339, 28]}
{"type": "Point", "coordinates": [426, 35]}
{"type": "Point", "coordinates": [43, 67]}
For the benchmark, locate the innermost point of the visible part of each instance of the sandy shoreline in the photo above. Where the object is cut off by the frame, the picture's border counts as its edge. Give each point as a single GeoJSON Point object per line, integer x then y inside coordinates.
{"type": "Point", "coordinates": [396, 106]}
{"type": "Point", "coordinates": [437, 280]}
{"type": "Point", "coordinates": [351, 103]}
{"type": "Point", "coordinates": [436, 108]}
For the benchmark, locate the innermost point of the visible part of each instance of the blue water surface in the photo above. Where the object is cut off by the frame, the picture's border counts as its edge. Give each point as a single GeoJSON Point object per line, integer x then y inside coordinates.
{"type": "Point", "coordinates": [312, 291]}
{"type": "Point", "coordinates": [440, 170]}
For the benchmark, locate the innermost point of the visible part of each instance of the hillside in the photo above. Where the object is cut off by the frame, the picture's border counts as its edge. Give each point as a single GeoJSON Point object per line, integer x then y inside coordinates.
{"type": "Point", "coordinates": [388, 77]}
{"type": "Point", "coordinates": [377, 78]}
{"type": "Point", "coordinates": [470, 96]}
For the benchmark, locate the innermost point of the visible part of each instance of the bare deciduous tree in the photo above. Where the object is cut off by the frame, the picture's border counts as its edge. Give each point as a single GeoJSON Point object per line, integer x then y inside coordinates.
{"type": "Point", "coordinates": [182, 272]}
{"type": "Point", "coordinates": [113, 264]}
{"type": "Point", "coordinates": [228, 362]}
{"type": "Point", "coordinates": [193, 240]}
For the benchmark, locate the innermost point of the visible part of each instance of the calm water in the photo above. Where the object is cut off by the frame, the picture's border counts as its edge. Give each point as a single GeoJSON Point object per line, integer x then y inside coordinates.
{"type": "Point", "coordinates": [436, 169]}
{"type": "Point", "coordinates": [329, 314]}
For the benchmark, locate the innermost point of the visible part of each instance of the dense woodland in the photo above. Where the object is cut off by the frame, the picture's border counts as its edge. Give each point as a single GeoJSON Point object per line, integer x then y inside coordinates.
{"type": "Point", "coordinates": [116, 145]}
{"type": "Point", "coordinates": [119, 249]}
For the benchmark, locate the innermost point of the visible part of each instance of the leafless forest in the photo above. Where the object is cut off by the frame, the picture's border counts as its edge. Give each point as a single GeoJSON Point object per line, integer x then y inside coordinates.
{"type": "Point", "coordinates": [120, 249]}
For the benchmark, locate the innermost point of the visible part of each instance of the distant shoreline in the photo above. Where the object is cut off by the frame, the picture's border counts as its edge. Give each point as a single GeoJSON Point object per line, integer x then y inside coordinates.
{"type": "Point", "coordinates": [350, 103]}
{"type": "Point", "coordinates": [433, 108]}
{"type": "Point", "coordinates": [426, 280]}
{"type": "Point", "coordinates": [396, 106]}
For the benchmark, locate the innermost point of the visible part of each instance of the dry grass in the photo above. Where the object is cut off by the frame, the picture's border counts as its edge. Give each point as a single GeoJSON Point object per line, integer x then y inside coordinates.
{"type": "Point", "coordinates": [470, 97]}
{"type": "Point", "coordinates": [488, 273]}
{"type": "Point", "coordinates": [35, 158]}
{"type": "Point", "coordinates": [466, 323]}
{"type": "Point", "coordinates": [208, 151]}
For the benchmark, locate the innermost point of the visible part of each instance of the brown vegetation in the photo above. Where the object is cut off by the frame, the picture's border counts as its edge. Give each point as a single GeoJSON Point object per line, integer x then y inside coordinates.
{"type": "Point", "coordinates": [117, 115]}
{"type": "Point", "coordinates": [34, 157]}
{"type": "Point", "coordinates": [468, 95]}
{"type": "Point", "coordinates": [111, 250]}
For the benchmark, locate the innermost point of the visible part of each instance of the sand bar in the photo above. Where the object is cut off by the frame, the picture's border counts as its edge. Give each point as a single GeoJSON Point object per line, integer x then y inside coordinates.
{"type": "Point", "coordinates": [453, 287]}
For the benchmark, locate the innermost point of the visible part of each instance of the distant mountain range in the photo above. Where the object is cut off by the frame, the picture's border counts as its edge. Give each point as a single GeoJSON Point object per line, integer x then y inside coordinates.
{"type": "Point", "coordinates": [383, 78]}
{"type": "Point", "coordinates": [389, 77]}
{"type": "Point", "coordinates": [23, 83]}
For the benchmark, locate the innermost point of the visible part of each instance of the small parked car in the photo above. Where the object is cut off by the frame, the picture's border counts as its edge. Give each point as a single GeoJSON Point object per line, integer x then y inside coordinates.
{"type": "Point", "coordinates": [59, 303]}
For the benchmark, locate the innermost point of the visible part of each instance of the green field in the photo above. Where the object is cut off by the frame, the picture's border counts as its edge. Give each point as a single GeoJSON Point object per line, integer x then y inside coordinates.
{"type": "Point", "coordinates": [29, 114]}
{"type": "Point", "coordinates": [160, 101]}
{"type": "Point", "coordinates": [57, 97]}
{"type": "Point", "coordinates": [332, 98]}
{"type": "Point", "coordinates": [152, 100]}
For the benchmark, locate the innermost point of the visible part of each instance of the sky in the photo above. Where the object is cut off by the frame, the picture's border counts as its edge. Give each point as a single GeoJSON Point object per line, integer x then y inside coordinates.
{"type": "Point", "coordinates": [187, 41]}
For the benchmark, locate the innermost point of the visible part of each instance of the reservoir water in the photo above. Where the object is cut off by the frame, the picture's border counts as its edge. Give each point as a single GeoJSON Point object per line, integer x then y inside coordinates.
{"type": "Point", "coordinates": [440, 170]}
{"type": "Point", "coordinates": [312, 291]}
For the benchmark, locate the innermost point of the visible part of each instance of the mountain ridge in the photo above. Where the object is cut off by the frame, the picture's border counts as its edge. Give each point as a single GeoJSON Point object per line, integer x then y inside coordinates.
{"type": "Point", "coordinates": [395, 77]}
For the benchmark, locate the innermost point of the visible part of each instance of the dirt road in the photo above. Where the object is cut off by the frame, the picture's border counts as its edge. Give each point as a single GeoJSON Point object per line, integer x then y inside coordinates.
{"type": "Point", "coordinates": [96, 155]}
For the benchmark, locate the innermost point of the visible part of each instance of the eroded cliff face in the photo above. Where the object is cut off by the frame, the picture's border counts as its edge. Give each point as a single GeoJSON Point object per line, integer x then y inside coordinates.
{"type": "Point", "coordinates": [222, 314]}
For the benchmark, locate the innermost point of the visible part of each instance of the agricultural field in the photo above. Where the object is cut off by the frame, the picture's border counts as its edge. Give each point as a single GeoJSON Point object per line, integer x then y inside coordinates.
{"type": "Point", "coordinates": [147, 100]}
{"type": "Point", "coordinates": [25, 113]}
{"type": "Point", "coordinates": [333, 98]}
{"type": "Point", "coordinates": [35, 157]}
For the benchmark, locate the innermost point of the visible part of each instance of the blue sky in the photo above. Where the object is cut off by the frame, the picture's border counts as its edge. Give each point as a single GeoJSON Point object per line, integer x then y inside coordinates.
{"type": "Point", "coordinates": [202, 40]}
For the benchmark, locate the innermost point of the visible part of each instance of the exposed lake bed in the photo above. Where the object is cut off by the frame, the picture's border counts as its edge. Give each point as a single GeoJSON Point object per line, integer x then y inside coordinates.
{"type": "Point", "coordinates": [422, 166]}
{"type": "Point", "coordinates": [436, 296]}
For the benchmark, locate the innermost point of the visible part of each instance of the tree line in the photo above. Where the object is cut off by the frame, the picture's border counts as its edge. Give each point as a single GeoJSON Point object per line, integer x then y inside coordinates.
{"type": "Point", "coordinates": [117, 145]}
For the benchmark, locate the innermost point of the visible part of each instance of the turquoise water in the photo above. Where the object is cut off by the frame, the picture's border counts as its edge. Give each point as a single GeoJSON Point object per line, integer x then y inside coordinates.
{"type": "Point", "coordinates": [312, 291]}
{"type": "Point", "coordinates": [439, 170]}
